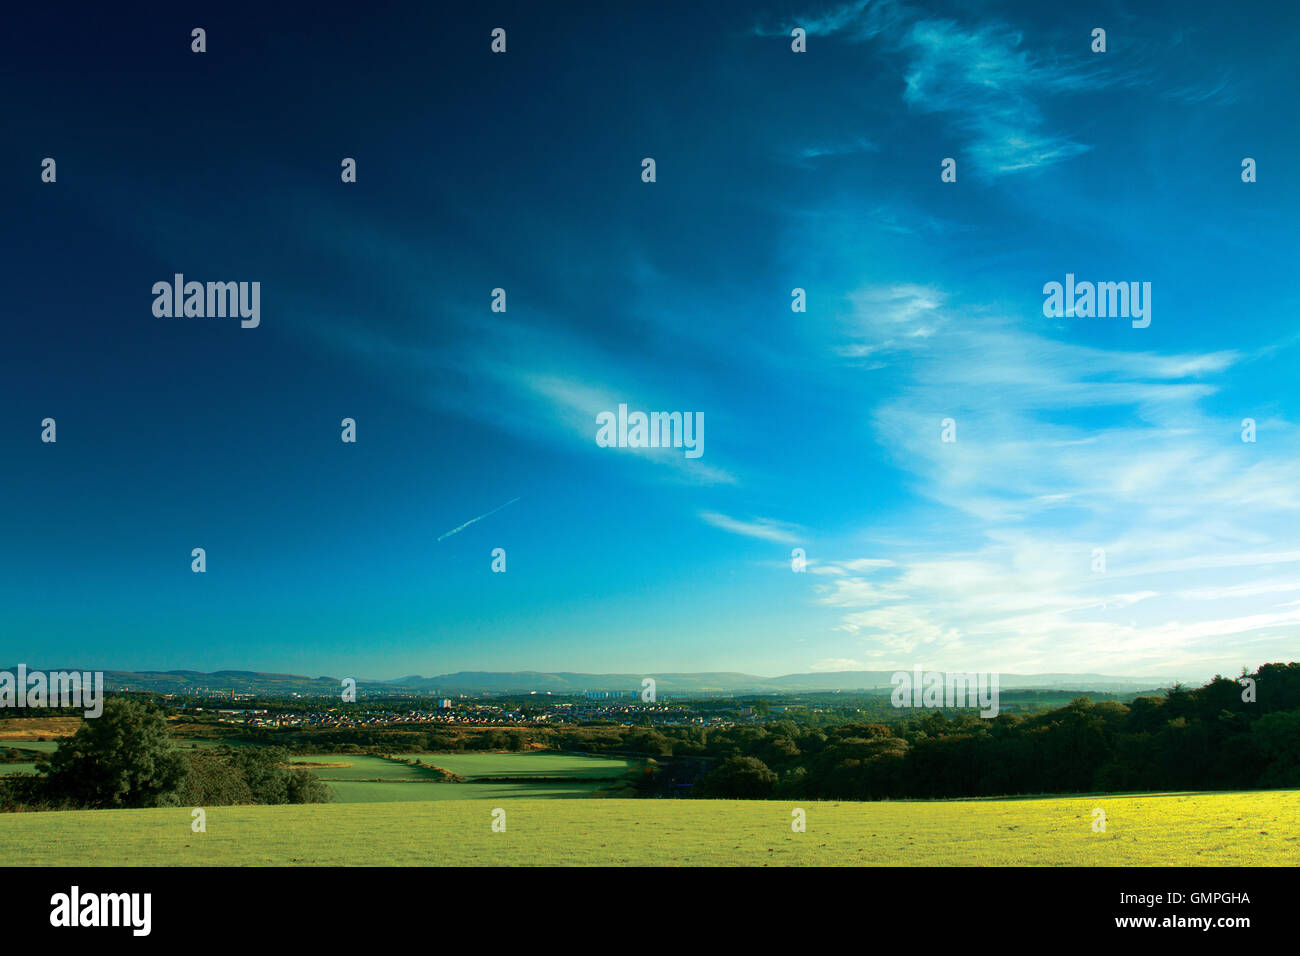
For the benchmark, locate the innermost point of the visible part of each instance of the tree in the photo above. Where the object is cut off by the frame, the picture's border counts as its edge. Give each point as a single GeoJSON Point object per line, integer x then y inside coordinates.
{"type": "Point", "coordinates": [123, 758]}
{"type": "Point", "coordinates": [305, 787]}
{"type": "Point", "coordinates": [740, 778]}
{"type": "Point", "coordinates": [264, 770]}
{"type": "Point", "coordinates": [213, 781]}
{"type": "Point", "coordinates": [1277, 736]}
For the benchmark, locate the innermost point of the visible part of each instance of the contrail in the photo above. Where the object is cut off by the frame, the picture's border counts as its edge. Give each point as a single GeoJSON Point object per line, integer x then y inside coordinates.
{"type": "Point", "coordinates": [479, 518]}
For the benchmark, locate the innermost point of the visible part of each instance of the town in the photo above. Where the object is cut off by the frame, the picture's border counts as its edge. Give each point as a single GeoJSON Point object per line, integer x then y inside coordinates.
{"type": "Point", "coordinates": [470, 714]}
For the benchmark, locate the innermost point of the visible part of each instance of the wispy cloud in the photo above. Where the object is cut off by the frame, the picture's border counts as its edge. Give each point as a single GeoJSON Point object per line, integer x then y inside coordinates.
{"type": "Point", "coordinates": [858, 19]}
{"type": "Point", "coordinates": [807, 154]}
{"type": "Point", "coordinates": [762, 528]}
{"type": "Point", "coordinates": [981, 77]}
{"type": "Point", "coordinates": [989, 87]}
{"type": "Point", "coordinates": [1064, 452]}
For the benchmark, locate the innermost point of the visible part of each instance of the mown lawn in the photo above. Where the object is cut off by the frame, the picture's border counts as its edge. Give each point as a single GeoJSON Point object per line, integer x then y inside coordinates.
{"type": "Point", "coordinates": [1164, 830]}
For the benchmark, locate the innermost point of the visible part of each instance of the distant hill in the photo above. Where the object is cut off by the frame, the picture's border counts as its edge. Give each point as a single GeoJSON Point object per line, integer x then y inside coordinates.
{"type": "Point", "coordinates": [240, 682]}
{"type": "Point", "coordinates": [866, 680]}
{"type": "Point", "coordinates": [730, 682]}
{"type": "Point", "coordinates": [523, 682]}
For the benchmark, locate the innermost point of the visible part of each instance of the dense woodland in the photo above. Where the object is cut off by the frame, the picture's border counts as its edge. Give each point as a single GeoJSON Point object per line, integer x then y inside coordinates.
{"type": "Point", "coordinates": [1207, 738]}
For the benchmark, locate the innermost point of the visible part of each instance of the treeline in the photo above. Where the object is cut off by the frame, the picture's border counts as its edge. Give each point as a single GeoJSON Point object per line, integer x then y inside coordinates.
{"type": "Point", "coordinates": [360, 740]}
{"type": "Point", "coordinates": [600, 738]}
{"type": "Point", "coordinates": [126, 758]}
{"type": "Point", "coordinates": [1223, 736]}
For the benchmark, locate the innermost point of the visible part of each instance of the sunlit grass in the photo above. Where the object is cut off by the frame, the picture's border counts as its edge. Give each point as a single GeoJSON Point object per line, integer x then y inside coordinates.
{"type": "Point", "coordinates": [1161, 830]}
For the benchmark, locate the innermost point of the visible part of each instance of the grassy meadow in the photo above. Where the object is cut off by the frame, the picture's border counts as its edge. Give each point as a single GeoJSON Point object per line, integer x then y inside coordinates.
{"type": "Point", "coordinates": [488, 776]}
{"type": "Point", "coordinates": [1174, 829]}
{"type": "Point", "coordinates": [35, 746]}
{"type": "Point", "coordinates": [387, 791]}
{"type": "Point", "coordinates": [25, 747]}
{"type": "Point", "coordinates": [363, 768]}
{"type": "Point", "coordinates": [28, 728]}
{"type": "Point", "coordinates": [524, 765]}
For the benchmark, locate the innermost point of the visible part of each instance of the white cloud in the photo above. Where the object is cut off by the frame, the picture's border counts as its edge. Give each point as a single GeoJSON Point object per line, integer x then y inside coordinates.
{"type": "Point", "coordinates": [1062, 449]}
{"type": "Point", "coordinates": [762, 528]}
{"type": "Point", "coordinates": [986, 81]}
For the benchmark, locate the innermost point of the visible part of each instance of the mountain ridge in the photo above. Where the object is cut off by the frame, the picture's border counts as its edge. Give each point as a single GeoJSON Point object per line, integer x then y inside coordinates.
{"type": "Point", "coordinates": [575, 682]}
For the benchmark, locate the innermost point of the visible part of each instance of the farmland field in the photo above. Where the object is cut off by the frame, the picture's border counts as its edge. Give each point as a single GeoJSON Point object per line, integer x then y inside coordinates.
{"type": "Point", "coordinates": [207, 743]}
{"type": "Point", "coordinates": [364, 768]}
{"type": "Point", "coordinates": [37, 746]}
{"type": "Point", "coordinates": [364, 791]}
{"type": "Point", "coordinates": [15, 728]}
{"type": "Point", "coordinates": [364, 779]}
{"type": "Point", "coordinates": [1175, 829]}
{"type": "Point", "coordinates": [567, 766]}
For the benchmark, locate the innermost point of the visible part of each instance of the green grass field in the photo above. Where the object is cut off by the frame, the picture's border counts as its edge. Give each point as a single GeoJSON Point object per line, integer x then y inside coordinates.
{"type": "Point", "coordinates": [30, 748]}
{"type": "Point", "coordinates": [39, 746]}
{"type": "Point", "coordinates": [1161, 830]}
{"type": "Point", "coordinates": [553, 765]}
{"type": "Point", "coordinates": [361, 779]}
{"type": "Point", "coordinates": [365, 791]}
{"type": "Point", "coordinates": [365, 768]}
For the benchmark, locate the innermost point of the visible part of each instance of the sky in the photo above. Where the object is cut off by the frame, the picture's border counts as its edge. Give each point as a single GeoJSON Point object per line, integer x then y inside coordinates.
{"type": "Point", "coordinates": [1098, 510]}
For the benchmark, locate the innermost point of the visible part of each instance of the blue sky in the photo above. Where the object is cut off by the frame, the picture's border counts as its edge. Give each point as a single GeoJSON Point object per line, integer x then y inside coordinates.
{"type": "Point", "coordinates": [775, 170]}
